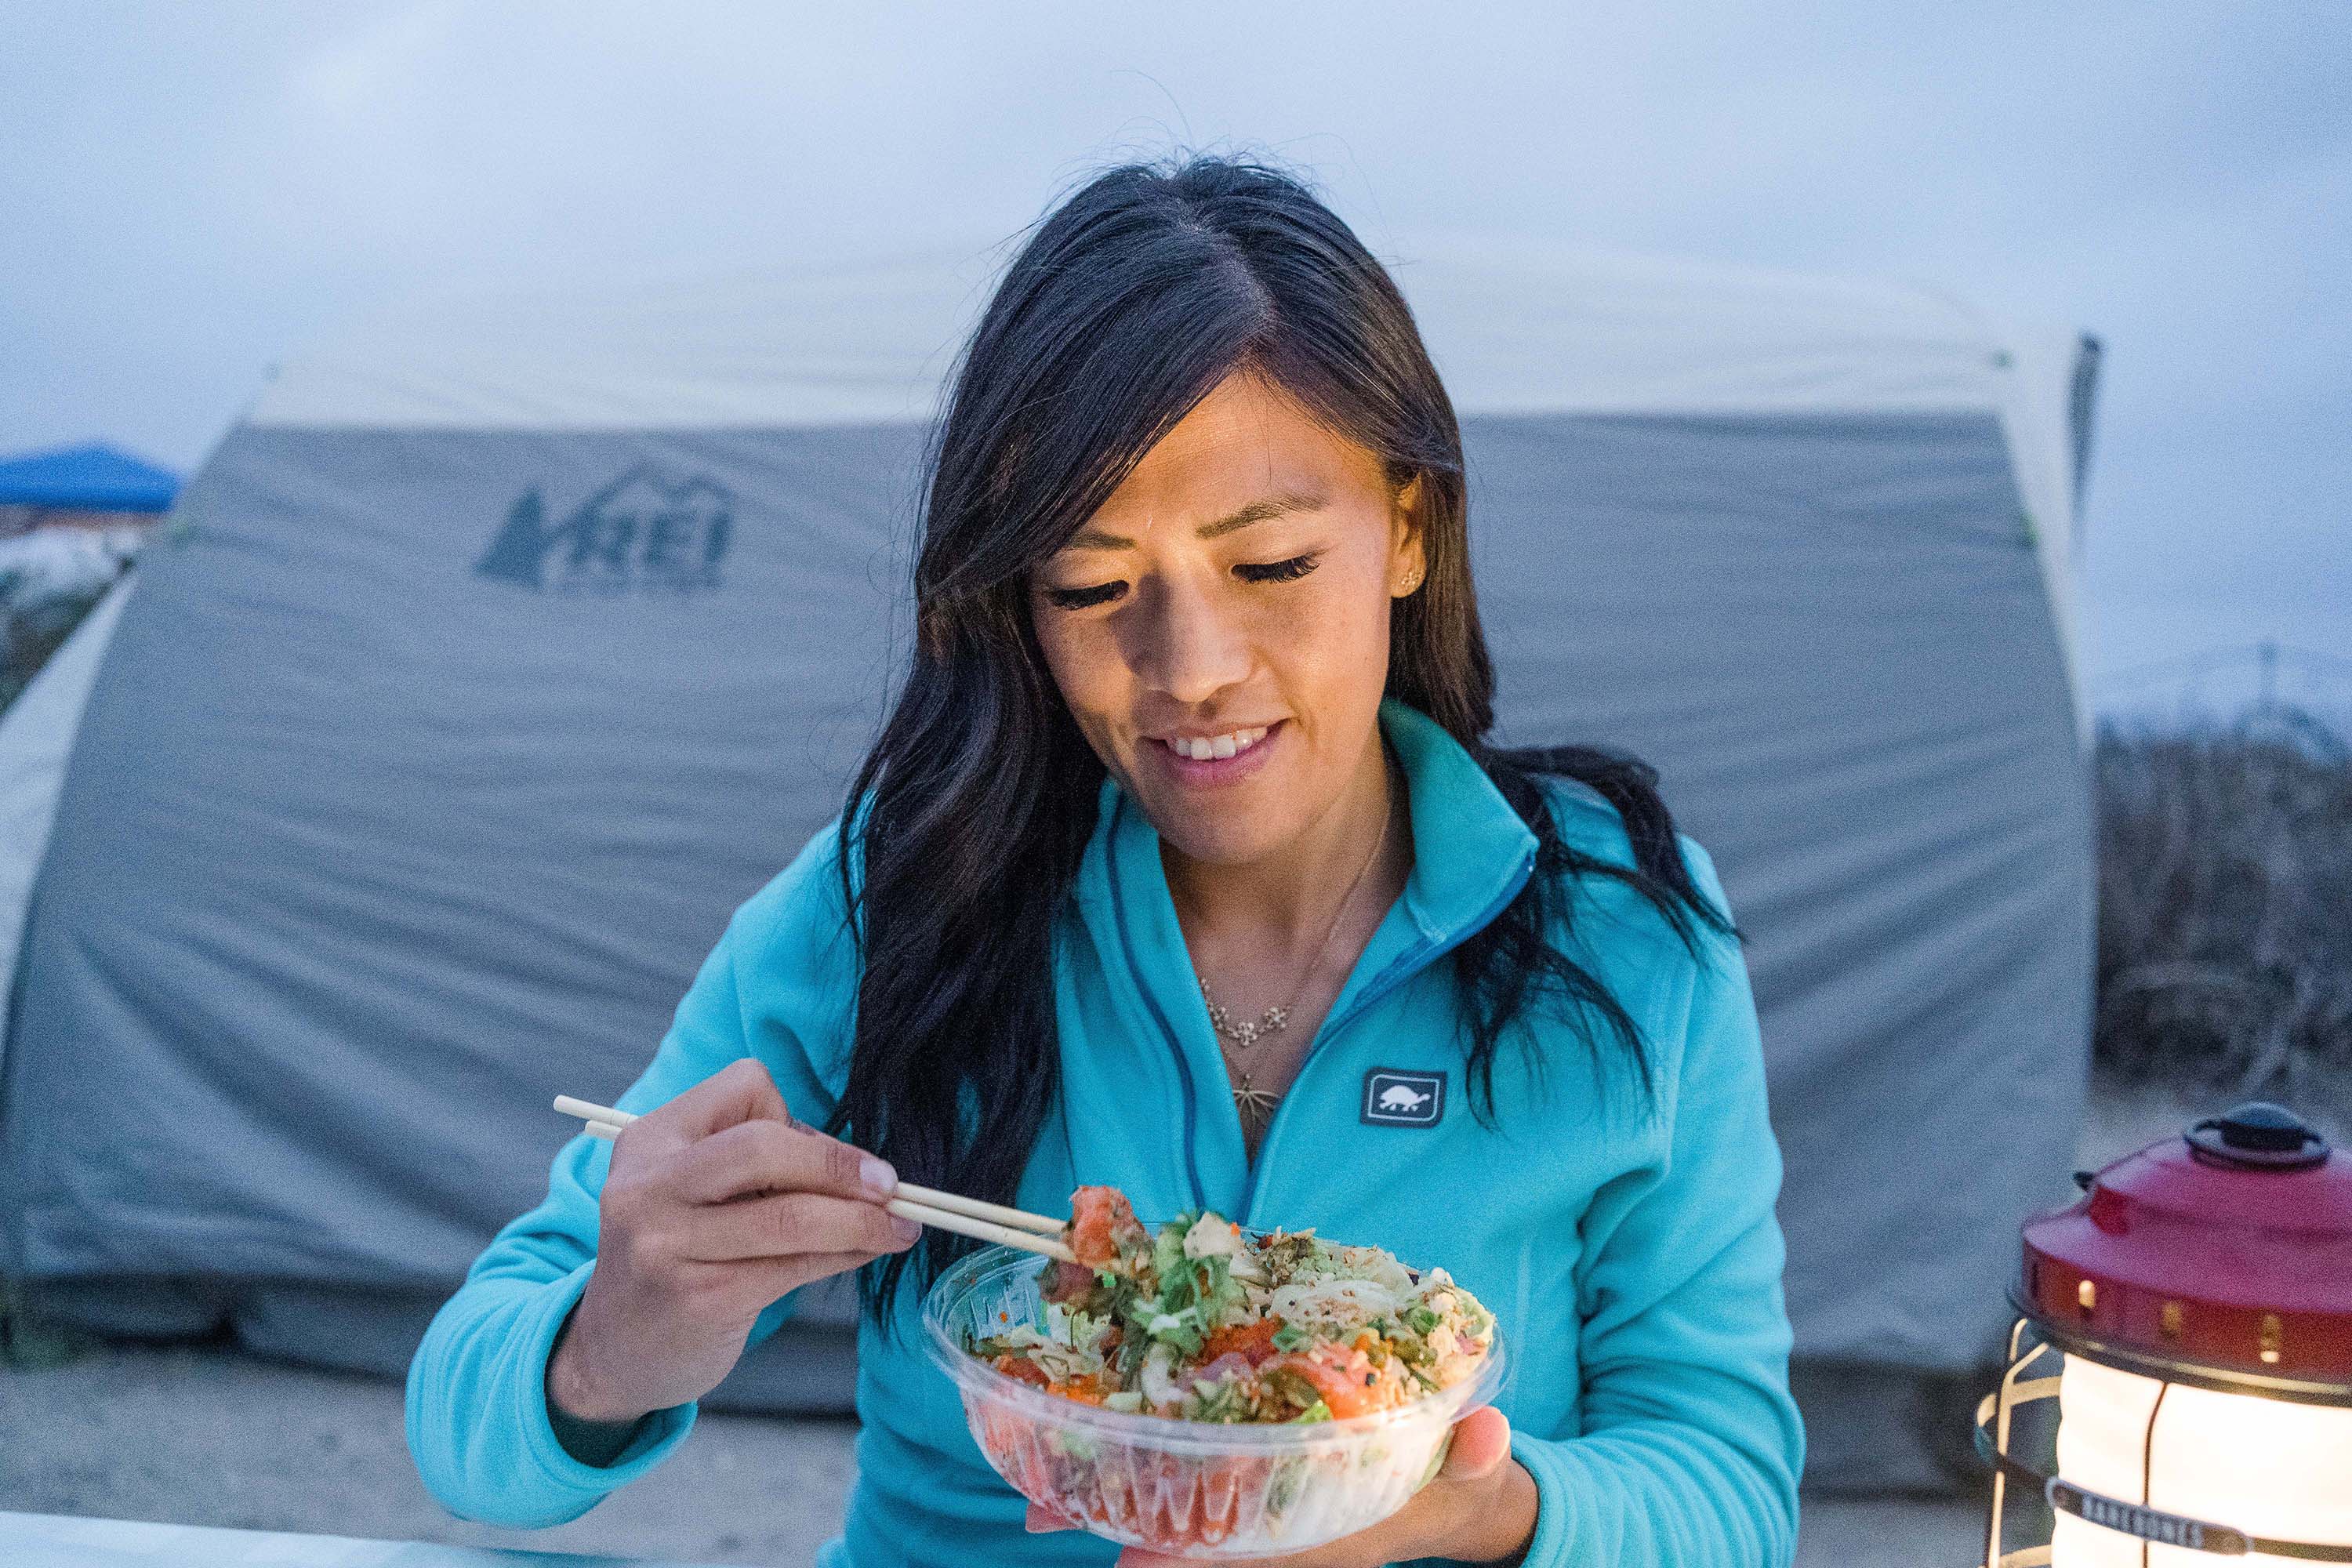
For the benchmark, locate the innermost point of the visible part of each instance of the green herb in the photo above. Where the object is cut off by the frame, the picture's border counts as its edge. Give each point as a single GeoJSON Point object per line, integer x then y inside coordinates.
{"type": "Point", "coordinates": [1291, 1337]}
{"type": "Point", "coordinates": [1168, 1250]}
{"type": "Point", "coordinates": [1181, 1330]}
{"type": "Point", "coordinates": [1318, 1411]}
{"type": "Point", "coordinates": [1222, 1400]}
{"type": "Point", "coordinates": [1194, 1294]}
{"type": "Point", "coordinates": [1421, 1320]}
{"type": "Point", "coordinates": [989, 1347]}
{"type": "Point", "coordinates": [1291, 1388]}
{"type": "Point", "coordinates": [1133, 1346]}
{"type": "Point", "coordinates": [1218, 1291]}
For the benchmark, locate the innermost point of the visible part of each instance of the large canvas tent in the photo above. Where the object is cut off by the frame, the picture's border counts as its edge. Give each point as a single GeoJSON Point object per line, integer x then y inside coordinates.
{"type": "Point", "coordinates": [500, 650]}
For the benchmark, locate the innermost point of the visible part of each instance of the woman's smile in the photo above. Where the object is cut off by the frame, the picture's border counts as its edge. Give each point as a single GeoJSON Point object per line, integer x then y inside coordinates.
{"type": "Point", "coordinates": [1198, 760]}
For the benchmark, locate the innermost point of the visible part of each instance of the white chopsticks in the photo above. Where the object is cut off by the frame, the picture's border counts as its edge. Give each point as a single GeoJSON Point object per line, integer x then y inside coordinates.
{"type": "Point", "coordinates": [927, 1205]}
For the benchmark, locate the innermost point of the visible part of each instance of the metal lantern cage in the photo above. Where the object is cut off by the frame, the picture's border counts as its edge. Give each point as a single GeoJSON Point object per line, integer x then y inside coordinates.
{"type": "Point", "coordinates": [2180, 1379]}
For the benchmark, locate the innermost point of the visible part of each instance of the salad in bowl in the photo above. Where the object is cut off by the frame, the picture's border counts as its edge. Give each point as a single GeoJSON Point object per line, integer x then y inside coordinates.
{"type": "Point", "coordinates": [1209, 1390]}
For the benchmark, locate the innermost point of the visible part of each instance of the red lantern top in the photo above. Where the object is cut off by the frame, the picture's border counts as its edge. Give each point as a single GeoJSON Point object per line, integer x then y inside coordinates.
{"type": "Point", "coordinates": [2226, 1252]}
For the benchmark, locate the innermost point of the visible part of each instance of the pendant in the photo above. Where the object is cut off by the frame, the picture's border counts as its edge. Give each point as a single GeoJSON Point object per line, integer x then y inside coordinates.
{"type": "Point", "coordinates": [1255, 1104]}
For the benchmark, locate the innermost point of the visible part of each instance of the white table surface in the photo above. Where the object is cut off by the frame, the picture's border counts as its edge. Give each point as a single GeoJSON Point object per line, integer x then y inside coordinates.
{"type": "Point", "coordinates": [60, 1541]}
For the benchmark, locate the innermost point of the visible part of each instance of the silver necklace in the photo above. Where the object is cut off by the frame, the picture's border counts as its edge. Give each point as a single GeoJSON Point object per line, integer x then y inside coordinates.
{"type": "Point", "coordinates": [1253, 1102]}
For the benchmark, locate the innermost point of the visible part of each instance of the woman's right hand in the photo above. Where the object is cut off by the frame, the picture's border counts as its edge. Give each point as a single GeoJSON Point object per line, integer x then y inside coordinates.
{"type": "Point", "coordinates": [717, 1204]}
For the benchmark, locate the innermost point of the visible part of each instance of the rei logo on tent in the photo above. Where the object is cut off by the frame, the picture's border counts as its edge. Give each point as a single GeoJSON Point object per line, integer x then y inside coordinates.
{"type": "Point", "coordinates": [645, 530]}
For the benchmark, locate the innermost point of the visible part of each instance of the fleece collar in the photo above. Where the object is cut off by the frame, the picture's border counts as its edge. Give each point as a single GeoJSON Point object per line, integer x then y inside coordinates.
{"type": "Point", "coordinates": [1471, 855]}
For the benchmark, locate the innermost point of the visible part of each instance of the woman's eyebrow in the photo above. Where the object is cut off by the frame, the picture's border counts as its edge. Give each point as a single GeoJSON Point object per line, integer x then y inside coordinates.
{"type": "Point", "coordinates": [1256, 511]}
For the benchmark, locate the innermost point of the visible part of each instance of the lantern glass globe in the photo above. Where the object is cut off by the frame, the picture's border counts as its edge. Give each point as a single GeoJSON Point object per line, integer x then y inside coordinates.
{"type": "Point", "coordinates": [2269, 1466]}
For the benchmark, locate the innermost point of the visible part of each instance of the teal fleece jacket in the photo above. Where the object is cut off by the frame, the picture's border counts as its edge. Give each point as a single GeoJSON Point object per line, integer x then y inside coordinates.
{"type": "Point", "coordinates": [1629, 1250]}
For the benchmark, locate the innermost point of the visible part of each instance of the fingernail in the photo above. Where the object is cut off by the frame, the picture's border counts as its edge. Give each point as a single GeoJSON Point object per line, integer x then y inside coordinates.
{"type": "Point", "coordinates": [879, 1178]}
{"type": "Point", "coordinates": [907, 1229]}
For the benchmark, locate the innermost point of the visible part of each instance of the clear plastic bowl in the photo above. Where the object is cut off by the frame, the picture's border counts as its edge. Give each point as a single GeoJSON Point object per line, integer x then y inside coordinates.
{"type": "Point", "coordinates": [1189, 1488]}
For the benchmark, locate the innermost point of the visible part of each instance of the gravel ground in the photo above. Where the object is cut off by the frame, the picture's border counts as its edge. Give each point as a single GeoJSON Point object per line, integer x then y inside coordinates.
{"type": "Point", "coordinates": [212, 1436]}
{"type": "Point", "coordinates": [217, 1437]}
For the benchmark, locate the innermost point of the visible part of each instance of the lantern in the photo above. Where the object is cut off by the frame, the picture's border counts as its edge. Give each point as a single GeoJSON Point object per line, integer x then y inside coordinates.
{"type": "Point", "coordinates": [2184, 1357]}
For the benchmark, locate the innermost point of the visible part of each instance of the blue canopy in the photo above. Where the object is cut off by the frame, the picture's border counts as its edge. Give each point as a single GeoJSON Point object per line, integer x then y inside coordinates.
{"type": "Point", "coordinates": [95, 477]}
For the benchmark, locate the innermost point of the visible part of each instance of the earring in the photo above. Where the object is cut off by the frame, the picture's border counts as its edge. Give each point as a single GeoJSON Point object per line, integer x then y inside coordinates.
{"type": "Point", "coordinates": [1412, 581]}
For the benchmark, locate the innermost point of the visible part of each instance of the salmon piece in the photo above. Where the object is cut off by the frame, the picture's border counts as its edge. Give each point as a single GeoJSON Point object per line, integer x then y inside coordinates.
{"type": "Point", "coordinates": [1253, 1341]}
{"type": "Point", "coordinates": [1020, 1367]}
{"type": "Point", "coordinates": [1103, 1228]}
{"type": "Point", "coordinates": [1343, 1387]}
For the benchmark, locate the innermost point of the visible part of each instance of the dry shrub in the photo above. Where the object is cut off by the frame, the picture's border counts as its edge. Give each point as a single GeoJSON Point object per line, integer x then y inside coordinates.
{"type": "Point", "coordinates": [2225, 906]}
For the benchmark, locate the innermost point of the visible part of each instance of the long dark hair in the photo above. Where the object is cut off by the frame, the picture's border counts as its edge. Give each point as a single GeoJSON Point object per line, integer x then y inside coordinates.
{"type": "Point", "coordinates": [1127, 304]}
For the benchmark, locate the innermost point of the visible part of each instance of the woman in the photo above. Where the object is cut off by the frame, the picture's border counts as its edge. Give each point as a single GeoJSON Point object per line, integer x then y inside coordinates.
{"type": "Point", "coordinates": [1180, 850]}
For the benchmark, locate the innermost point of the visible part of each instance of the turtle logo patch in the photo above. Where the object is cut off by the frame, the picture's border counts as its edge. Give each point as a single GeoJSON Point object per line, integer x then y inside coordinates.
{"type": "Point", "coordinates": [1397, 1097]}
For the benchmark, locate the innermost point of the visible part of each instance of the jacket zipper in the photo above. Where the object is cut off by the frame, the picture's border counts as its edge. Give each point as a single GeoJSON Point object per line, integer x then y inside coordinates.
{"type": "Point", "coordinates": [1167, 1032]}
{"type": "Point", "coordinates": [1406, 965]}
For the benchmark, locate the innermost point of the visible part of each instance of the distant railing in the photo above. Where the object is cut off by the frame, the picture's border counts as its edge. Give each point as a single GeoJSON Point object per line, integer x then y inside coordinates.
{"type": "Point", "coordinates": [2218, 684]}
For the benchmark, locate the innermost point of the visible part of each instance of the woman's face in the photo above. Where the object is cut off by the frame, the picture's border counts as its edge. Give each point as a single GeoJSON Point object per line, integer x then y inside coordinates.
{"type": "Point", "coordinates": [1219, 628]}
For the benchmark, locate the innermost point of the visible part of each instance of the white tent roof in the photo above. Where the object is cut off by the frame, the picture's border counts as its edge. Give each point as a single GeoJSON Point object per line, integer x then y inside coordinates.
{"type": "Point", "coordinates": [1515, 327]}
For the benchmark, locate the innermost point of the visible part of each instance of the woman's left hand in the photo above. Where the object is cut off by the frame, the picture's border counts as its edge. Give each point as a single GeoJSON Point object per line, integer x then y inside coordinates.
{"type": "Point", "coordinates": [1480, 1506]}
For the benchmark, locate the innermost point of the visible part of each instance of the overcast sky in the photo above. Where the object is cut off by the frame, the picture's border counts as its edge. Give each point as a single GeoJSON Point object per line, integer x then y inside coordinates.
{"type": "Point", "coordinates": [186, 191]}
